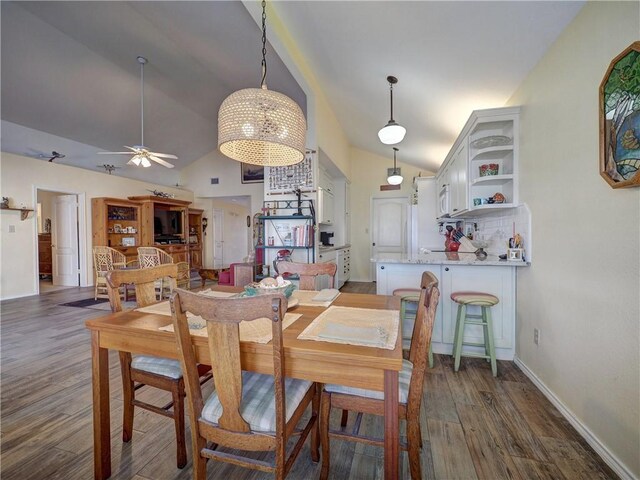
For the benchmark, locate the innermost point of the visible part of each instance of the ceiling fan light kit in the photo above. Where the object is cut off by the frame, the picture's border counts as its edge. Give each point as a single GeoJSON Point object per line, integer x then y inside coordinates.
{"type": "Point", "coordinates": [395, 178]}
{"type": "Point", "coordinates": [141, 154]}
{"type": "Point", "coordinates": [392, 133]}
{"type": "Point", "coordinates": [260, 126]}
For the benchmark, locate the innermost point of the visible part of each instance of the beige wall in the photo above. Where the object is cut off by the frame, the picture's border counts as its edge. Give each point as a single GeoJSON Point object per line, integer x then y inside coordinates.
{"type": "Point", "coordinates": [582, 291]}
{"type": "Point", "coordinates": [19, 180]}
{"type": "Point", "coordinates": [370, 171]}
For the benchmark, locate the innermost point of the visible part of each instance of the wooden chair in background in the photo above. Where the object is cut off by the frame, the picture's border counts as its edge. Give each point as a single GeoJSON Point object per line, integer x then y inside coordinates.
{"type": "Point", "coordinates": [247, 411]}
{"type": "Point", "coordinates": [308, 272]}
{"type": "Point", "coordinates": [184, 276]}
{"type": "Point", "coordinates": [152, 257]}
{"type": "Point", "coordinates": [105, 259]}
{"type": "Point", "coordinates": [411, 383]}
{"type": "Point", "coordinates": [162, 373]}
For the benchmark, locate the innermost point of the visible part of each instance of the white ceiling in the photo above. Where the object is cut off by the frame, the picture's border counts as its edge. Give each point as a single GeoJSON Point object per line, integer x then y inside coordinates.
{"type": "Point", "coordinates": [69, 69]}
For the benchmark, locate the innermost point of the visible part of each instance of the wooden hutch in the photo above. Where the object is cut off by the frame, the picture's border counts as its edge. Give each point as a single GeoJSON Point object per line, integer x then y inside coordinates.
{"type": "Point", "coordinates": [149, 221]}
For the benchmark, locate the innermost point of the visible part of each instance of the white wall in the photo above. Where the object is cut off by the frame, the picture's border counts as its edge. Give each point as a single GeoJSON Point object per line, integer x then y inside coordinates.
{"type": "Point", "coordinates": [235, 231]}
{"type": "Point", "coordinates": [582, 290]}
{"type": "Point", "coordinates": [370, 171]}
{"type": "Point", "coordinates": [19, 180]}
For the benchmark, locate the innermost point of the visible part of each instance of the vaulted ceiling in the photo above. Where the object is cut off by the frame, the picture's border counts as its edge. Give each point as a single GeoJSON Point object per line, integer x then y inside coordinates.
{"type": "Point", "coordinates": [69, 70]}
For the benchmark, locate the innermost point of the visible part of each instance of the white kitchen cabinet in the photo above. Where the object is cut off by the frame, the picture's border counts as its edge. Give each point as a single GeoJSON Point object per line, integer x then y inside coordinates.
{"type": "Point", "coordinates": [343, 263]}
{"type": "Point", "coordinates": [489, 137]}
{"type": "Point", "coordinates": [326, 203]}
{"type": "Point", "coordinates": [458, 181]}
{"type": "Point", "coordinates": [325, 256]}
{"type": "Point", "coordinates": [497, 280]}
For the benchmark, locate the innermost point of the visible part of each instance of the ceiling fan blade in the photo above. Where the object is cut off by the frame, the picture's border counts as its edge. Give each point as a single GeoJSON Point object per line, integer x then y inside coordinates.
{"type": "Point", "coordinates": [160, 161]}
{"type": "Point", "coordinates": [114, 153]}
{"type": "Point", "coordinates": [164, 155]}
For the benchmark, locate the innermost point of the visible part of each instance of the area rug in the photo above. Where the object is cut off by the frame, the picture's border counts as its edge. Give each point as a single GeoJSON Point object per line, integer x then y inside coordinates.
{"type": "Point", "coordinates": [86, 303]}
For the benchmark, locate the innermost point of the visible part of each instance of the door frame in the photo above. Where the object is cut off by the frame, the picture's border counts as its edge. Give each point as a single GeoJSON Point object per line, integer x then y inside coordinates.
{"type": "Point", "coordinates": [82, 228]}
{"type": "Point", "coordinates": [407, 198]}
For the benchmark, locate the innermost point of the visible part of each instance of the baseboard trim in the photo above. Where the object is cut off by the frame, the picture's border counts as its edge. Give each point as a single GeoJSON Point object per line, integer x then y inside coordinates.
{"type": "Point", "coordinates": [609, 458]}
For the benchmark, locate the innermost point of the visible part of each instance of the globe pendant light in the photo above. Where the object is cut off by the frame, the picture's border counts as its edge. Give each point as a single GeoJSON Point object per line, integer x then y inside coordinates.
{"type": "Point", "coordinates": [395, 178]}
{"type": "Point", "coordinates": [260, 126]}
{"type": "Point", "coordinates": [392, 132]}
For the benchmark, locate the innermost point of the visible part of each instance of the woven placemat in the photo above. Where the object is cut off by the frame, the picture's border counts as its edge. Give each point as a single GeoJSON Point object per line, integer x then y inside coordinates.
{"type": "Point", "coordinates": [306, 298]}
{"type": "Point", "coordinates": [355, 326]}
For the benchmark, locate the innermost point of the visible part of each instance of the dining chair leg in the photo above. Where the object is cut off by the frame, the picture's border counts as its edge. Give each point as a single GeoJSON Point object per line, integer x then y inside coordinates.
{"type": "Point", "coordinates": [414, 440]}
{"type": "Point", "coordinates": [127, 396]}
{"type": "Point", "coordinates": [199, 462]}
{"type": "Point", "coordinates": [325, 412]}
{"type": "Point", "coordinates": [178, 418]}
{"type": "Point", "coordinates": [315, 430]}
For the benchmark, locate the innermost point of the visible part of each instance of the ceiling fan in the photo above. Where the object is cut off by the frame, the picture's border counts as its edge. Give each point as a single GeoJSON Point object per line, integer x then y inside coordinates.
{"type": "Point", "coordinates": [141, 154]}
{"type": "Point", "coordinates": [54, 155]}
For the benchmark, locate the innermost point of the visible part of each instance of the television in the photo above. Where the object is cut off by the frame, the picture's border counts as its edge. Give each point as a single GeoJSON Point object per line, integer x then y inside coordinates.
{"type": "Point", "coordinates": [167, 222]}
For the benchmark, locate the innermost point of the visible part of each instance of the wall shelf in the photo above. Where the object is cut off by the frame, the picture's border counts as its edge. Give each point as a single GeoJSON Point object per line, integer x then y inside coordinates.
{"type": "Point", "coordinates": [24, 212]}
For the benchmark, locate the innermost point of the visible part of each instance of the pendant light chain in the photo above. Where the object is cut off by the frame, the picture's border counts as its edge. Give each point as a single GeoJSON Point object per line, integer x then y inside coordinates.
{"type": "Point", "coordinates": [395, 169]}
{"type": "Point", "coordinates": [264, 44]}
{"type": "Point", "coordinates": [142, 102]}
{"type": "Point", "coordinates": [391, 94]}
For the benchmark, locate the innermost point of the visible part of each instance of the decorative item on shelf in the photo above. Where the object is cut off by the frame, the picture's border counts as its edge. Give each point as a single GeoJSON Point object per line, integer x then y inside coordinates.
{"type": "Point", "coordinates": [128, 241]}
{"type": "Point", "coordinates": [498, 198]}
{"type": "Point", "coordinates": [489, 169]}
{"type": "Point", "coordinates": [477, 201]}
{"type": "Point", "coordinates": [141, 154]}
{"type": "Point", "coordinates": [394, 177]}
{"type": "Point", "coordinates": [620, 120]}
{"type": "Point", "coordinates": [5, 202]}
{"type": "Point", "coordinates": [392, 133]}
{"type": "Point", "coordinates": [260, 126]}
{"type": "Point", "coordinates": [491, 141]}
{"type": "Point", "coordinates": [117, 228]}
{"type": "Point", "coordinates": [160, 194]}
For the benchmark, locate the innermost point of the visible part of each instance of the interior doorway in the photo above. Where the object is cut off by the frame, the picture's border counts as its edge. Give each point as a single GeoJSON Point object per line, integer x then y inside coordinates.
{"type": "Point", "coordinates": [60, 240]}
{"type": "Point", "coordinates": [388, 227]}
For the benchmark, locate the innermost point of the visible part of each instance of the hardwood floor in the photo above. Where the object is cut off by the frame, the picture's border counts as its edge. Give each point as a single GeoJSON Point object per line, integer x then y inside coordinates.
{"type": "Point", "coordinates": [474, 425]}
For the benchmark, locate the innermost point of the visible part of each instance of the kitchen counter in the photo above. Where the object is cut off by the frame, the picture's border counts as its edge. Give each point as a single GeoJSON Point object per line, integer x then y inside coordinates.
{"type": "Point", "coordinates": [323, 248]}
{"type": "Point", "coordinates": [446, 258]}
{"type": "Point", "coordinates": [457, 272]}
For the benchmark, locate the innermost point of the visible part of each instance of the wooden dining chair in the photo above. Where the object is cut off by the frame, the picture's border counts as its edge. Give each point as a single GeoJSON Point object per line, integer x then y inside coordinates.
{"type": "Point", "coordinates": [411, 383]}
{"type": "Point", "coordinates": [152, 257]}
{"type": "Point", "coordinates": [308, 272]}
{"type": "Point", "coordinates": [105, 259]}
{"type": "Point", "coordinates": [184, 276]}
{"type": "Point", "coordinates": [247, 411]}
{"type": "Point", "coordinates": [162, 373]}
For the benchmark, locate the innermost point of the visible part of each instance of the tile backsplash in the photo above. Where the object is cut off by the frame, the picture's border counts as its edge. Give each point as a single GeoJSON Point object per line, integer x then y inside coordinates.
{"type": "Point", "coordinates": [498, 228]}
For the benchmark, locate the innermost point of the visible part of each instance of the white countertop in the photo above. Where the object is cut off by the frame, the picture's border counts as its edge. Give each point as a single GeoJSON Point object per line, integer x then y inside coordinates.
{"type": "Point", "coordinates": [445, 258]}
{"type": "Point", "coordinates": [324, 248]}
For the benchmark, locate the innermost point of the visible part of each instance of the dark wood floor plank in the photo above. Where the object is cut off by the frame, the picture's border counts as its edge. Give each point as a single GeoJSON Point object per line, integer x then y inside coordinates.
{"type": "Point", "coordinates": [514, 431]}
{"type": "Point", "coordinates": [573, 461]}
{"type": "Point", "coordinates": [489, 455]}
{"type": "Point", "coordinates": [438, 399]}
{"type": "Point", "coordinates": [451, 457]}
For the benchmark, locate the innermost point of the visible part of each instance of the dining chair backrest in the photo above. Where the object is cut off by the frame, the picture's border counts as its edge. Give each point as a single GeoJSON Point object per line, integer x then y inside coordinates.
{"type": "Point", "coordinates": [144, 280]}
{"type": "Point", "coordinates": [308, 272]}
{"type": "Point", "coordinates": [421, 338]}
{"type": "Point", "coordinates": [107, 258]}
{"type": "Point", "coordinates": [223, 317]}
{"type": "Point", "coordinates": [152, 257]}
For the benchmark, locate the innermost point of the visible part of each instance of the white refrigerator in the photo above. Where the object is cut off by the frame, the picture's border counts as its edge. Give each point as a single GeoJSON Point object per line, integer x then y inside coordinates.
{"type": "Point", "coordinates": [425, 231]}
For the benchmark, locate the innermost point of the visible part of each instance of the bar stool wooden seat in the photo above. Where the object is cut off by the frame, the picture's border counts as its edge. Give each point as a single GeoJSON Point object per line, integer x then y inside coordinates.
{"type": "Point", "coordinates": [485, 301]}
{"type": "Point", "coordinates": [409, 298]}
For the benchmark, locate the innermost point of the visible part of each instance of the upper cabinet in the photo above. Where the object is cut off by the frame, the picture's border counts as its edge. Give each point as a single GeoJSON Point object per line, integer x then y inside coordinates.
{"type": "Point", "coordinates": [480, 173]}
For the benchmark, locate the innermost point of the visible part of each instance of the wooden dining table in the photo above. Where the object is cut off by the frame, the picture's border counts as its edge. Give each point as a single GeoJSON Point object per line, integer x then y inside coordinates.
{"type": "Point", "coordinates": [318, 361]}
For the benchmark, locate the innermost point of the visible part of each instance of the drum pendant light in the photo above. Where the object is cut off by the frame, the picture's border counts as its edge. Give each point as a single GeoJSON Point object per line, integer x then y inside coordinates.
{"type": "Point", "coordinates": [260, 126]}
{"type": "Point", "coordinates": [395, 178]}
{"type": "Point", "coordinates": [392, 132]}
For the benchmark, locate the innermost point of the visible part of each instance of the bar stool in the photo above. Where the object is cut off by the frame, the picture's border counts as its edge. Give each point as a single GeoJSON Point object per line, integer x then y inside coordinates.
{"type": "Point", "coordinates": [408, 309]}
{"type": "Point", "coordinates": [485, 301]}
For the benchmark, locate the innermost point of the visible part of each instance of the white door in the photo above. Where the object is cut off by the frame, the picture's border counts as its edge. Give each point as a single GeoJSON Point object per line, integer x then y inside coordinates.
{"type": "Point", "coordinates": [64, 241]}
{"type": "Point", "coordinates": [389, 227]}
{"type": "Point", "coordinates": [218, 238]}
